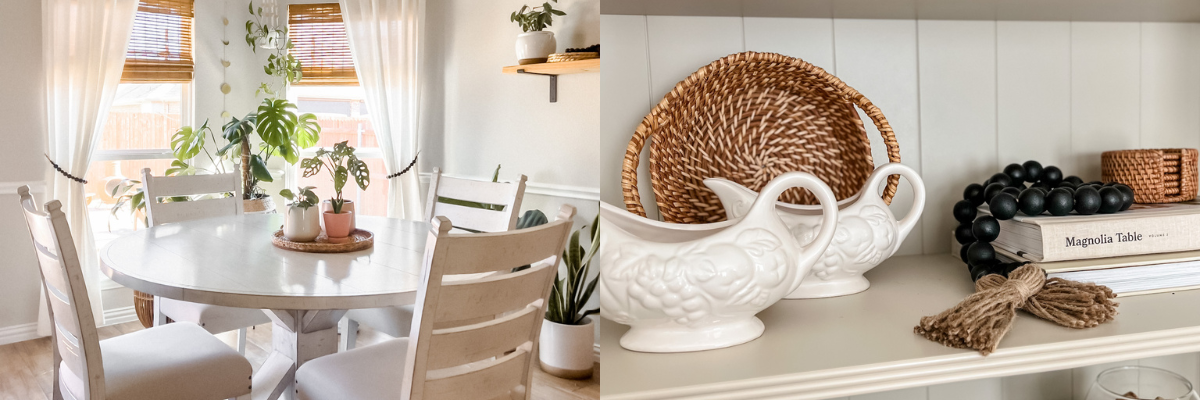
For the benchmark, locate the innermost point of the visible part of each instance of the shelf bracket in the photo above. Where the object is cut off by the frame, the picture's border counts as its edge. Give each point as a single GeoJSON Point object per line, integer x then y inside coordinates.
{"type": "Point", "coordinates": [553, 83]}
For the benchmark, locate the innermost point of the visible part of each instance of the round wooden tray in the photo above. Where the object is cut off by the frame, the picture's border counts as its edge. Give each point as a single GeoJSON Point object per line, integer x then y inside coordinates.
{"type": "Point", "coordinates": [358, 240]}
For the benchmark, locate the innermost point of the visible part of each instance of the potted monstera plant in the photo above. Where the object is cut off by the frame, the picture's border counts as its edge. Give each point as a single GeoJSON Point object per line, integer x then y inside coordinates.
{"type": "Point", "coordinates": [342, 164]}
{"type": "Point", "coordinates": [536, 44]}
{"type": "Point", "coordinates": [281, 132]}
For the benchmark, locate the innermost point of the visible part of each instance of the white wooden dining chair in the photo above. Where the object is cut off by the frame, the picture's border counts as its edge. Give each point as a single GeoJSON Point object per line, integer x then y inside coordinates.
{"type": "Point", "coordinates": [178, 361]}
{"type": "Point", "coordinates": [215, 319]}
{"type": "Point", "coordinates": [505, 201]}
{"type": "Point", "coordinates": [472, 338]}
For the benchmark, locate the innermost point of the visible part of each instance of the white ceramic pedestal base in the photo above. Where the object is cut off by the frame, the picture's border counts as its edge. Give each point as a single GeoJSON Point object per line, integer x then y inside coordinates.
{"type": "Point", "coordinates": [815, 288]}
{"type": "Point", "coordinates": [678, 338]}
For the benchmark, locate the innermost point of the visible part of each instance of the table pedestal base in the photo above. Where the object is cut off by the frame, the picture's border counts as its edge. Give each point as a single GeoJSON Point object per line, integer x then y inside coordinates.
{"type": "Point", "coordinates": [297, 337]}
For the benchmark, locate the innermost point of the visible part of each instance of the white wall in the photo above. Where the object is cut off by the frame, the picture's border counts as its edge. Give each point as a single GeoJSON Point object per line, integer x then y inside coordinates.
{"type": "Point", "coordinates": [965, 99]}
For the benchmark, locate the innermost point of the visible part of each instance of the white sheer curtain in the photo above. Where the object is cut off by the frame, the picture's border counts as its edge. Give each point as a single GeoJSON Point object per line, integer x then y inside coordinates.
{"type": "Point", "coordinates": [385, 37]}
{"type": "Point", "coordinates": [83, 48]}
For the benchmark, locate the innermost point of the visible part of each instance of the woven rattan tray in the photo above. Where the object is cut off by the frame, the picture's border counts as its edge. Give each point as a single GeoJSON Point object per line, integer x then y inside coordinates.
{"type": "Point", "coordinates": [358, 240]}
{"type": "Point", "coordinates": [563, 57]}
{"type": "Point", "coordinates": [1155, 175]}
{"type": "Point", "coordinates": [750, 117]}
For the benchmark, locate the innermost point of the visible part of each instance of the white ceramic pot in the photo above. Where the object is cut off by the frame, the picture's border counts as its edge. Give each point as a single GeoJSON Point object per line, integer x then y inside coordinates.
{"type": "Point", "coordinates": [684, 287]}
{"type": "Point", "coordinates": [347, 206]}
{"type": "Point", "coordinates": [867, 232]}
{"type": "Point", "coordinates": [302, 224]}
{"type": "Point", "coordinates": [535, 47]}
{"type": "Point", "coordinates": [566, 351]}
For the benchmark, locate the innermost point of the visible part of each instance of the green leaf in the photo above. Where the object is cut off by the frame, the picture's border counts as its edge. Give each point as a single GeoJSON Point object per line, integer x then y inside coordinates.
{"type": "Point", "coordinates": [358, 169]}
{"type": "Point", "coordinates": [187, 142]}
{"type": "Point", "coordinates": [308, 131]}
{"type": "Point", "coordinates": [287, 194]}
{"type": "Point", "coordinates": [258, 168]}
{"type": "Point", "coordinates": [238, 130]}
{"type": "Point", "coordinates": [311, 166]}
{"type": "Point", "coordinates": [251, 8]}
{"type": "Point", "coordinates": [339, 178]}
{"type": "Point", "coordinates": [137, 201]}
{"type": "Point", "coordinates": [276, 121]}
{"type": "Point", "coordinates": [496, 174]}
{"type": "Point", "coordinates": [180, 168]}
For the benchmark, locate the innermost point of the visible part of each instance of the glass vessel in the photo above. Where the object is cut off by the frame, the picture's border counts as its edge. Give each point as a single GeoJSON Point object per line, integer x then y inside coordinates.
{"type": "Point", "coordinates": [1135, 382]}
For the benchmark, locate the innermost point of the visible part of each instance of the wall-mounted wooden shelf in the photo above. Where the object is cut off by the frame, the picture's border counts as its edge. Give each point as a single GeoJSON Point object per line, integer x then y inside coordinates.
{"type": "Point", "coordinates": [851, 345]}
{"type": "Point", "coordinates": [553, 70]}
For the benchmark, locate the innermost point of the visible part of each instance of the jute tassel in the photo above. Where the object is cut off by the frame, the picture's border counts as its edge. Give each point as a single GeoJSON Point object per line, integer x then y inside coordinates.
{"type": "Point", "coordinates": [983, 318]}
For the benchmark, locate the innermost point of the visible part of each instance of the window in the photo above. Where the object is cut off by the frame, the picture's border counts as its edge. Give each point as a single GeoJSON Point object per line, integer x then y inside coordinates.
{"type": "Point", "coordinates": [329, 89]}
{"type": "Point", "coordinates": [152, 102]}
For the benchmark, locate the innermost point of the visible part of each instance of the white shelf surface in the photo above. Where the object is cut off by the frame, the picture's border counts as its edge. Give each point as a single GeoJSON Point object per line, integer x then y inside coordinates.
{"type": "Point", "coordinates": [864, 343]}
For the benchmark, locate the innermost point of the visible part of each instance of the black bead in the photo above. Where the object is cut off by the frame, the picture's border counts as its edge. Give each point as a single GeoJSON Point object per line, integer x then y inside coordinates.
{"type": "Point", "coordinates": [1074, 180]}
{"type": "Point", "coordinates": [1008, 268]}
{"type": "Point", "coordinates": [981, 271]}
{"type": "Point", "coordinates": [1003, 178]}
{"type": "Point", "coordinates": [1016, 172]}
{"type": "Point", "coordinates": [1111, 200]}
{"type": "Point", "coordinates": [974, 194]}
{"type": "Point", "coordinates": [963, 233]}
{"type": "Point", "coordinates": [992, 190]}
{"type": "Point", "coordinates": [1060, 202]}
{"type": "Point", "coordinates": [1052, 176]}
{"type": "Point", "coordinates": [1126, 196]}
{"type": "Point", "coordinates": [1004, 206]}
{"type": "Point", "coordinates": [1113, 183]}
{"type": "Point", "coordinates": [984, 229]}
{"type": "Point", "coordinates": [1041, 185]}
{"type": "Point", "coordinates": [1067, 185]}
{"type": "Point", "coordinates": [1087, 200]}
{"type": "Point", "coordinates": [1033, 171]}
{"type": "Point", "coordinates": [963, 211]}
{"type": "Point", "coordinates": [980, 253]}
{"type": "Point", "coordinates": [962, 253]}
{"type": "Point", "coordinates": [1032, 202]}
{"type": "Point", "coordinates": [1014, 191]}
{"type": "Point", "coordinates": [1096, 183]}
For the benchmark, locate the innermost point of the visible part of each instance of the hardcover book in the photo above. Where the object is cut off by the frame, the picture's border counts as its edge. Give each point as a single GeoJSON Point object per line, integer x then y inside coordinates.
{"type": "Point", "coordinates": [1129, 275]}
{"type": "Point", "coordinates": [1143, 229]}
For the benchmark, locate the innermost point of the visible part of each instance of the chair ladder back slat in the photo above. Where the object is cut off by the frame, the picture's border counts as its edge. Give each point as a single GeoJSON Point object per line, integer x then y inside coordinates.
{"type": "Point", "coordinates": [508, 194]}
{"type": "Point", "coordinates": [519, 299]}
{"type": "Point", "coordinates": [75, 339]}
{"type": "Point", "coordinates": [156, 187]}
{"type": "Point", "coordinates": [487, 380]}
{"type": "Point", "coordinates": [496, 252]}
{"type": "Point", "coordinates": [471, 343]}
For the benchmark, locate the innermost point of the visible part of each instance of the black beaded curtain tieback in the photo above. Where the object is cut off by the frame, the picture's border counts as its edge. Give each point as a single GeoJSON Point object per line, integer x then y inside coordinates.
{"type": "Point", "coordinates": [1006, 194]}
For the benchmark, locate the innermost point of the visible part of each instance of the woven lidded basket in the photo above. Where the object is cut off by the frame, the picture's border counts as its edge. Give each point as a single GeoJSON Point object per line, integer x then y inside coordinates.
{"type": "Point", "coordinates": [749, 117]}
{"type": "Point", "coordinates": [1155, 175]}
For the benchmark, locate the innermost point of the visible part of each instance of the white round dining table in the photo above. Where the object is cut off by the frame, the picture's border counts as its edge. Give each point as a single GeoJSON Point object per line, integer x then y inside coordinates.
{"type": "Point", "coordinates": [230, 261]}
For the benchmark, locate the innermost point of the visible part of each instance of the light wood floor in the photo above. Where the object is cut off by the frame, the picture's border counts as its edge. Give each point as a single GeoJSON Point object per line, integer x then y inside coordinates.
{"type": "Point", "coordinates": [26, 374]}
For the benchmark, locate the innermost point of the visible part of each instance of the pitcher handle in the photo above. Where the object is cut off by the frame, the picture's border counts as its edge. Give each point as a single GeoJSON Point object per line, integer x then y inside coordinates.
{"type": "Point", "coordinates": [764, 205]}
{"type": "Point", "coordinates": [914, 214]}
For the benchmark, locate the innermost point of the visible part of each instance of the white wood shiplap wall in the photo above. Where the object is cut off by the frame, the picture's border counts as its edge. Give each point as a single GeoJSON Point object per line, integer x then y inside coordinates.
{"type": "Point", "coordinates": [965, 98]}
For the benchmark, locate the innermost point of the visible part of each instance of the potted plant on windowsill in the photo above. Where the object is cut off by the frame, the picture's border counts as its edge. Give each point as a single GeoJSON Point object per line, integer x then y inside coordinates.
{"type": "Point", "coordinates": [302, 222]}
{"type": "Point", "coordinates": [568, 334]}
{"type": "Point", "coordinates": [535, 45]}
{"type": "Point", "coordinates": [342, 164]}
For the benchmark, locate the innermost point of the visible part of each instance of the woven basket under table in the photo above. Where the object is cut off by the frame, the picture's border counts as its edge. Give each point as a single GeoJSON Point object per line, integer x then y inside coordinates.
{"type": "Point", "coordinates": [143, 305]}
{"type": "Point", "coordinates": [750, 117]}
{"type": "Point", "coordinates": [1155, 175]}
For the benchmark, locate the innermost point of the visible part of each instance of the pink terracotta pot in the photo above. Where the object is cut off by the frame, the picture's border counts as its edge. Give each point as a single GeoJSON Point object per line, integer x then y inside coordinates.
{"type": "Point", "coordinates": [347, 206]}
{"type": "Point", "coordinates": [338, 225]}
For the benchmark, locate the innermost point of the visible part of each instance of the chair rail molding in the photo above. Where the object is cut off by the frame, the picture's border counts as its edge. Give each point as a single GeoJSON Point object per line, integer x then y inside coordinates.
{"type": "Point", "coordinates": [543, 189]}
{"type": "Point", "coordinates": [10, 187]}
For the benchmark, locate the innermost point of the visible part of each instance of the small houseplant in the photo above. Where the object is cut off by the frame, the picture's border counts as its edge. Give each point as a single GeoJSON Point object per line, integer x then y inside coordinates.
{"type": "Point", "coordinates": [280, 64]}
{"type": "Point", "coordinates": [342, 165]}
{"type": "Point", "coordinates": [568, 334]}
{"type": "Point", "coordinates": [303, 220]}
{"type": "Point", "coordinates": [281, 132]}
{"type": "Point", "coordinates": [535, 45]}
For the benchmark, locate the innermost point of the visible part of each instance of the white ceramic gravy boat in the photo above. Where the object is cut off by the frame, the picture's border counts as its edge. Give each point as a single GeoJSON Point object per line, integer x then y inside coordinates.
{"type": "Point", "coordinates": [683, 287]}
{"type": "Point", "coordinates": [867, 232]}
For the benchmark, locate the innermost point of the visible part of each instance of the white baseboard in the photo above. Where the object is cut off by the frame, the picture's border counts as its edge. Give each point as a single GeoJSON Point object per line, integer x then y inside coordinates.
{"type": "Point", "coordinates": [18, 333]}
{"type": "Point", "coordinates": [596, 349]}
{"type": "Point", "coordinates": [120, 315]}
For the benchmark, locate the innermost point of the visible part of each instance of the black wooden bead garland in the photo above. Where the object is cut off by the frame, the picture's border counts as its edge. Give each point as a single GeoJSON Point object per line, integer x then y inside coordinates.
{"type": "Point", "coordinates": [1006, 194]}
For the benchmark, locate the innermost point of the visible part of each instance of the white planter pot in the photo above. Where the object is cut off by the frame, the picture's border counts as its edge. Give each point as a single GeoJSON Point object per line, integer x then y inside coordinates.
{"type": "Point", "coordinates": [302, 224]}
{"type": "Point", "coordinates": [566, 351]}
{"type": "Point", "coordinates": [691, 287]}
{"type": "Point", "coordinates": [535, 47]}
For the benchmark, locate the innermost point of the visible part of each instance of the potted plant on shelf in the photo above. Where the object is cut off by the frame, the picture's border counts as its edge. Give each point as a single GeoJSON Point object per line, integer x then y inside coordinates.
{"type": "Point", "coordinates": [535, 45]}
{"type": "Point", "coordinates": [568, 333]}
{"type": "Point", "coordinates": [281, 133]}
{"type": "Point", "coordinates": [342, 164]}
{"type": "Point", "coordinates": [303, 221]}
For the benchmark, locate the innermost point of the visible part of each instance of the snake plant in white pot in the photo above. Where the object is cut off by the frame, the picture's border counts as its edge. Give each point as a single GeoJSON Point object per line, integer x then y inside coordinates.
{"type": "Point", "coordinates": [568, 334]}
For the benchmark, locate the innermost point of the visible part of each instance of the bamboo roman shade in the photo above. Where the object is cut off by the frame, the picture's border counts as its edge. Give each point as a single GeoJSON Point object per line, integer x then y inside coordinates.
{"type": "Point", "coordinates": [321, 44]}
{"type": "Point", "coordinates": [160, 47]}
